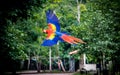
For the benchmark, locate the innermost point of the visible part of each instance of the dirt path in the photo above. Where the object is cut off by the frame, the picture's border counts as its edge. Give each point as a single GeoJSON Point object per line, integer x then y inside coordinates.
{"type": "Point", "coordinates": [49, 74]}
{"type": "Point", "coordinates": [35, 73]}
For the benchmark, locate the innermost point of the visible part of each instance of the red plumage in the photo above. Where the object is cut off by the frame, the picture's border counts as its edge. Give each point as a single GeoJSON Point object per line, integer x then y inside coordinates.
{"type": "Point", "coordinates": [71, 39]}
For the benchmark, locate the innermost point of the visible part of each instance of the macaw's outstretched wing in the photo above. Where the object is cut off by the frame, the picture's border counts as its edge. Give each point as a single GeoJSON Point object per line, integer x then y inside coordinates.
{"type": "Point", "coordinates": [52, 20]}
{"type": "Point", "coordinates": [53, 26]}
{"type": "Point", "coordinates": [48, 42]}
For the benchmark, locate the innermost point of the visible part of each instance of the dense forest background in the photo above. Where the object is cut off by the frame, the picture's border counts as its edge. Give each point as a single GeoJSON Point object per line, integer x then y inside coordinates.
{"type": "Point", "coordinates": [97, 22]}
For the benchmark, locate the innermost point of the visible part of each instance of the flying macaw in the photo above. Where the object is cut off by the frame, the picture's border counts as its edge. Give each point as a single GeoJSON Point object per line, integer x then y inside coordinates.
{"type": "Point", "coordinates": [53, 32]}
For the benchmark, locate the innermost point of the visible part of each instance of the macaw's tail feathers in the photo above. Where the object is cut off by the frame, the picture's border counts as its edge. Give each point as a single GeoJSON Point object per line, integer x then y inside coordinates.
{"type": "Point", "coordinates": [77, 40]}
{"type": "Point", "coordinates": [71, 40]}
{"type": "Point", "coordinates": [68, 39]}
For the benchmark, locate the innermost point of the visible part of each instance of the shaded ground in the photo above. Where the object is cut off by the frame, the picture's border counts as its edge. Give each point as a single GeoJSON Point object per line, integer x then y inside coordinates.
{"type": "Point", "coordinates": [36, 73]}
{"type": "Point", "coordinates": [49, 74]}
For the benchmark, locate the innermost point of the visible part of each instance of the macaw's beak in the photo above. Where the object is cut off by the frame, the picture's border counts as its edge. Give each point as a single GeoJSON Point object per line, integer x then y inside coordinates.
{"type": "Point", "coordinates": [44, 31]}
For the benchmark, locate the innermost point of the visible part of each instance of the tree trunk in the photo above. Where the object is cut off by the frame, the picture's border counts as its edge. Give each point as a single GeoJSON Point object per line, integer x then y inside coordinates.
{"type": "Point", "coordinates": [38, 67]}
{"type": "Point", "coordinates": [50, 62]}
{"type": "Point", "coordinates": [21, 64]}
{"type": "Point", "coordinates": [28, 65]}
{"type": "Point", "coordinates": [81, 65]}
{"type": "Point", "coordinates": [78, 9]}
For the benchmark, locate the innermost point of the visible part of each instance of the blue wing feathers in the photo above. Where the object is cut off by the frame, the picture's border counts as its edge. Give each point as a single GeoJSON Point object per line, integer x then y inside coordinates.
{"type": "Point", "coordinates": [49, 42]}
{"type": "Point", "coordinates": [52, 18]}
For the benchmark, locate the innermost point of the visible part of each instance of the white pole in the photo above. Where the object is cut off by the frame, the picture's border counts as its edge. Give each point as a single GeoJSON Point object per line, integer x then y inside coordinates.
{"type": "Point", "coordinates": [84, 56]}
{"type": "Point", "coordinates": [58, 48]}
{"type": "Point", "coordinates": [50, 63]}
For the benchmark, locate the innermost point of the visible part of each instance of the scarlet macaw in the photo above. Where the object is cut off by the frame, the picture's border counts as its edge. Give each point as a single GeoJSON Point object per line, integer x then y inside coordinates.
{"type": "Point", "coordinates": [53, 32]}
